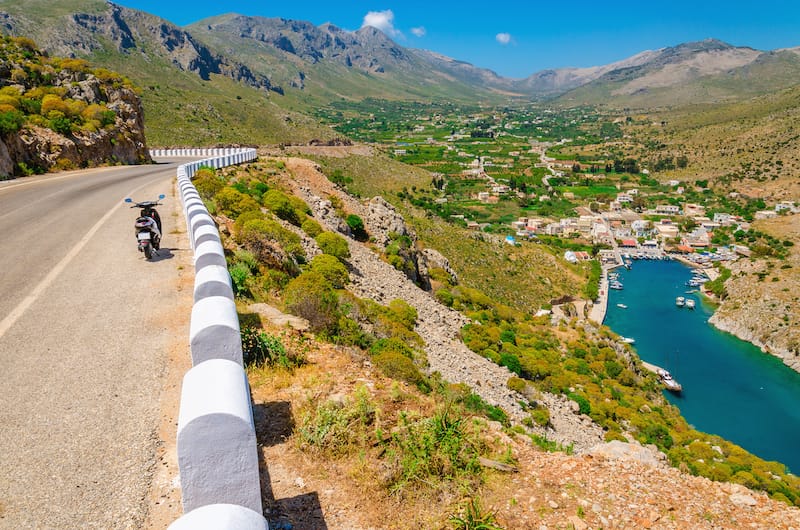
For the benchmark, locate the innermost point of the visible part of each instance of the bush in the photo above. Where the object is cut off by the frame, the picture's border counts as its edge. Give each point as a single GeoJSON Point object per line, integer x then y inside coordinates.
{"type": "Point", "coordinates": [584, 406]}
{"type": "Point", "coordinates": [270, 243]}
{"type": "Point", "coordinates": [356, 225]}
{"type": "Point", "coordinates": [335, 428]}
{"type": "Point", "coordinates": [445, 297]}
{"type": "Point", "coordinates": [403, 313]}
{"type": "Point", "coordinates": [311, 227]}
{"type": "Point", "coordinates": [398, 366]}
{"type": "Point", "coordinates": [280, 204]}
{"type": "Point", "coordinates": [57, 121]}
{"type": "Point", "coordinates": [11, 121]}
{"type": "Point", "coordinates": [333, 244]}
{"type": "Point", "coordinates": [516, 384]}
{"type": "Point", "coordinates": [331, 268]}
{"type": "Point", "coordinates": [392, 345]}
{"type": "Point", "coordinates": [511, 361]}
{"type": "Point", "coordinates": [233, 203]}
{"type": "Point", "coordinates": [208, 183]}
{"type": "Point", "coordinates": [260, 348]}
{"type": "Point", "coordinates": [312, 297]}
{"type": "Point", "coordinates": [240, 277]}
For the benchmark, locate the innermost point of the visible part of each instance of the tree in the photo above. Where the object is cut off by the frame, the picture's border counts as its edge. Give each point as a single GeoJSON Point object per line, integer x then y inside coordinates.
{"type": "Point", "coordinates": [356, 225]}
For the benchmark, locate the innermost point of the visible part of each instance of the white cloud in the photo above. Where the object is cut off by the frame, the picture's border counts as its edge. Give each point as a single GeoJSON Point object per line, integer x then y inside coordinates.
{"type": "Point", "coordinates": [503, 38]}
{"type": "Point", "coordinates": [382, 20]}
{"type": "Point", "coordinates": [419, 32]}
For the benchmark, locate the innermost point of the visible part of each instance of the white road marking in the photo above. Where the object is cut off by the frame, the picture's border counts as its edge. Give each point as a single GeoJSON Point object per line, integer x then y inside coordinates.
{"type": "Point", "coordinates": [37, 291]}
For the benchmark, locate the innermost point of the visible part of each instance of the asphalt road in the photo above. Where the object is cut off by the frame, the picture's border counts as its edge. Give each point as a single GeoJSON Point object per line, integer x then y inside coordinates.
{"type": "Point", "coordinates": [84, 333]}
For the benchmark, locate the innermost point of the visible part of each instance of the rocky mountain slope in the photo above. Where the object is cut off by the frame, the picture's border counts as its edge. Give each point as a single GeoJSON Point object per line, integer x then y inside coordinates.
{"type": "Point", "coordinates": [761, 305]}
{"type": "Point", "coordinates": [61, 113]}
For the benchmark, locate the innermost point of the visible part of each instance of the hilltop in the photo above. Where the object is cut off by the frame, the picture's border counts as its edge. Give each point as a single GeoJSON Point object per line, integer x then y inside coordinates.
{"type": "Point", "coordinates": [198, 80]}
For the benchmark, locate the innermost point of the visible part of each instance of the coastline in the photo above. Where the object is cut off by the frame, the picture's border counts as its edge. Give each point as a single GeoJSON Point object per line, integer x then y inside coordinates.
{"type": "Point", "coordinates": [738, 327]}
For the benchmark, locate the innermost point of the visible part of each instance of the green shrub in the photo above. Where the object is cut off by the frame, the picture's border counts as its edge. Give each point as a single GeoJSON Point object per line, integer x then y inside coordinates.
{"type": "Point", "coordinates": [393, 345]}
{"type": "Point", "coordinates": [281, 205]}
{"type": "Point", "coordinates": [270, 243]}
{"type": "Point", "coordinates": [10, 122]}
{"type": "Point", "coordinates": [336, 428]}
{"type": "Point", "coordinates": [435, 450]}
{"type": "Point", "coordinates": [311, 227]}
{"type": "Point", "coordinates": [398, 366]}
{"type": "Point", "coordinates": [516, 384]}
{"type": "Point", "coordinates": [356, 225]}
{"type": "Point", "coordinates": [233, 203]}
{"type": "Point", "coordinates": [331, 268]}
{"type": "Point", "coordinates": [403, 313]}
{"type": "Point", "coordinates": [312, 297]}
{"type": "Point", "coordinates": [260, 348]}
{"type": "Point", "coordinates": [333, 244]}
{"type": "Point", "coordinates": [541, 416]}
{"type": "Point", "coordinates": [208, 183]}
{"type": "Point", "coordinates": [584, 406]}
{"type": "Point", "coordinates": [511, 361]}
{"type": "Point", "coordinates": [249, 215]}
{"type": "Point", "coordinates": [445, 297]}
{"type": "Point", "coordinates": [240, 277]}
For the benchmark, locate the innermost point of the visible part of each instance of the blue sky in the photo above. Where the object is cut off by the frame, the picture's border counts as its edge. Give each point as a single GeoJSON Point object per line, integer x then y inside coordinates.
{"type": "Point", "coordinates": [517, 38]}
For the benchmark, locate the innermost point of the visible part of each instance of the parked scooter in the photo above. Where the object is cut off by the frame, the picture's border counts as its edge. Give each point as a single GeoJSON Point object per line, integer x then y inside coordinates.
{"type": "Point", "coordinates": [148, 226]}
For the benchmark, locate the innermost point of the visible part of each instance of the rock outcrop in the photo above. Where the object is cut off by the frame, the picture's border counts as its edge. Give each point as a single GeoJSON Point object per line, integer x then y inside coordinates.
{"type": "Point", "coordinates": [36, 148]}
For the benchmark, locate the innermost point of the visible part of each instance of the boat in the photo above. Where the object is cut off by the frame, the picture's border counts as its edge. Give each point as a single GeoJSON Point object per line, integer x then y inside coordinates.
{"type": "Point", "coordinates": [615, 285]}
{"type": "Point", "coordinates": [680, 301]}
{"type": "Point", "coordinates": [622, 306]}
{"type": "Point", "coordinates": [690, 303]}
{"type": "Point", "coordinates": [668, 382]}
{"type": "Point", "coordinates": [627, 340]}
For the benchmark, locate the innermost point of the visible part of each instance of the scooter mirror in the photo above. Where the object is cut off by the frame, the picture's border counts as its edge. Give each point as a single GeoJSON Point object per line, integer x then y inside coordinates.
{"type": "Point", "coordinates": [128, 199]}
{"type": "Point", "coordinates": [161, 196]}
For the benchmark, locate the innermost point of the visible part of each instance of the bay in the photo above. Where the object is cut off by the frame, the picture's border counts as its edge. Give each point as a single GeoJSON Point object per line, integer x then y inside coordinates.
{"type": "Point", "coordinates": [730, 387]}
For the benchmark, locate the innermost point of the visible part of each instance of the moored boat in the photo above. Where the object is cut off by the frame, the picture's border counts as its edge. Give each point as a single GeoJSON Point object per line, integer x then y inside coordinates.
{"type": "Point", "coordinates": [690, 303]}
{"type": "Point", "coordinates": [680, 301]}
{"type": "Point", "coordinates": [622, 306]}
{"type": "Point", "coordinates": [668, 382]}
{"type": "Point", "coordinates": [627, 340]}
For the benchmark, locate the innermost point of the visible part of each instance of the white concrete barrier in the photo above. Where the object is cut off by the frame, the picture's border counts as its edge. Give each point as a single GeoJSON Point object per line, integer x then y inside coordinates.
{"type": "Point", "coordinates": [209, 253]}
{"type": "Point", "coordinates": [221, 517]}
{"type": "Point", "coordinates": [217, 453]}
{"type": "Point", "coordinates": [212, 281]}
{"type": "Point", "coordinates": [214, 331]}
{"type": "Point", "coordinates": [205, 232]}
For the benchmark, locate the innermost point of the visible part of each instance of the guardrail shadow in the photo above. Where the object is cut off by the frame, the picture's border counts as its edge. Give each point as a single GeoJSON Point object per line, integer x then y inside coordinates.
{"type": "Point", "coordinates": [274, 424]}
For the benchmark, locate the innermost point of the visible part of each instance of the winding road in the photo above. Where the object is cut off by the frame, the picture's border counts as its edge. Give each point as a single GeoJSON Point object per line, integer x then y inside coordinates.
{"type": "Point", "coordinates": [86, 330]}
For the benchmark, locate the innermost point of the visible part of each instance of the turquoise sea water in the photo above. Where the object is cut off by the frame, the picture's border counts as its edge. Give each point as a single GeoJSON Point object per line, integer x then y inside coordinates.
{"type": "Point", "coordinates": [730, 387]}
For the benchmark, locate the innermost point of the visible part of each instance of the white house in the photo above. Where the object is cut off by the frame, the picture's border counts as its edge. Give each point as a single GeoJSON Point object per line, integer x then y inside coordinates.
{"type": "Point", "coordinates": [723, 218]}
{"type": "Point", "coordinates": [668, 209]}
{"type": "Point", "coordinates": [766, 214]}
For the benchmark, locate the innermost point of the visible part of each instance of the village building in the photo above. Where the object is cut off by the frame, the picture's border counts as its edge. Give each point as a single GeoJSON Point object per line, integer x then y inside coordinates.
{"type": "Point", "coordinates": [641, 228]}
{"type": "Point", "coordinates": [723, 218]}
{"type": "Point", "coordinates": [668, 209]}
{"type": "Point", "coordinates": [766, 214]}
{"type": "Point", "coordinates": [691, 210]}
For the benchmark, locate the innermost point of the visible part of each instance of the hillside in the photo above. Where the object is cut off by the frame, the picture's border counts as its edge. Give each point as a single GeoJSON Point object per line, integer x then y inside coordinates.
{"type": "Point", "coordinates": [408, 394]}
{"type": "Point", "coordinates": [63, 114]}
{"type": "Point", "coordinates": [317, 64]}
{"type": "Point", "coordinates": [191, 95]}
{"type": "Point", "coordinates": [748, 146]}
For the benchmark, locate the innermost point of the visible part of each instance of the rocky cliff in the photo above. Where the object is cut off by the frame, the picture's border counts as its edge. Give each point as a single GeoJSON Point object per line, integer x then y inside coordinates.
{"type": "Point", "coordinates": [60, 114]}
{"type": "Point", "coordinates": [762, 294]}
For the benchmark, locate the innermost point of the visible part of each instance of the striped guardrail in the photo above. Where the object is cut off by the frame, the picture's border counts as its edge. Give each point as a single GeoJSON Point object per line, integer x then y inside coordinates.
{"type": "Point", "coordinates": [217, 452]}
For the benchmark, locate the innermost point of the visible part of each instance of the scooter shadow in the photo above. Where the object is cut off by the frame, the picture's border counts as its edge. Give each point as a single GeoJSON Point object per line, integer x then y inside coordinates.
{"type": "Point", "coordinates": [162, 254]}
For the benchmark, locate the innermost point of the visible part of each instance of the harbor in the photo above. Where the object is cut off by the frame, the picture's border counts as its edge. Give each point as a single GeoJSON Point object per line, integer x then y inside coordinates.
{"type": "Point", "coordinates": [728, 386]}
